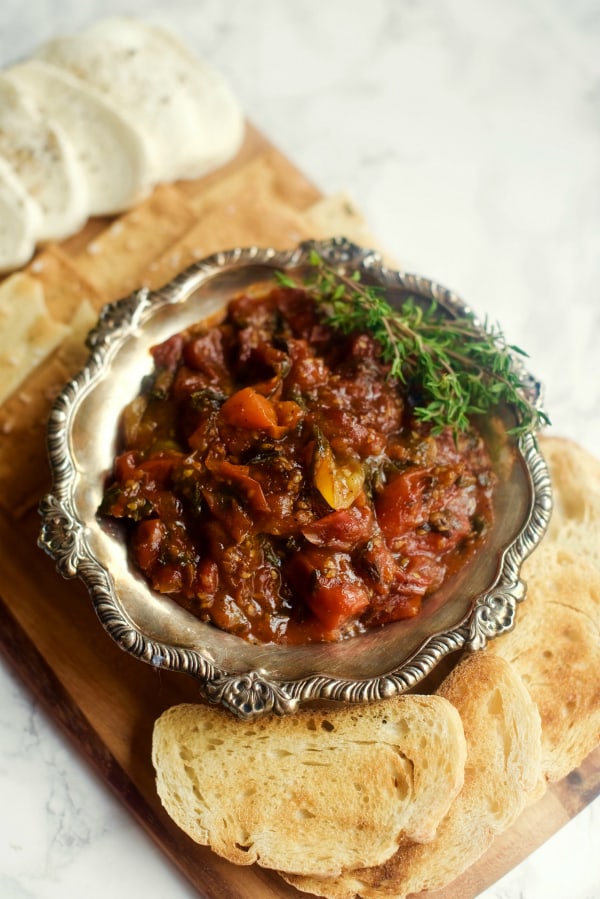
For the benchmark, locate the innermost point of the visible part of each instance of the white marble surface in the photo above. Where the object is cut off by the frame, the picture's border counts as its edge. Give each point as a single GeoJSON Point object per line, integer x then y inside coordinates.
{"type": "Point", "coordinates": [469, 133]}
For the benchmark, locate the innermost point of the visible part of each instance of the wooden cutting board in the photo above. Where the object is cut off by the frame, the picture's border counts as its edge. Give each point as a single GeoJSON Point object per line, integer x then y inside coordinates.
{"type": "Point", "coordinates": [106, 701]}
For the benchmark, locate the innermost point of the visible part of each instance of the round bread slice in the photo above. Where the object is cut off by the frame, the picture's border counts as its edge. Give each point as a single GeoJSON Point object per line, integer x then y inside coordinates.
{"type": "Point", "coordinates": [42, 158]}
{"type": "Point", "coordinates": [111, 153]}
{"type": "Point", "coordinates": [20, 218]}
{"type": "Point", "coordinates": [318, 792]}
{"type": "Point", "coordinates": [190, 118]}
{"type": "Point", "coordinates": [215, 104]}
{"type": "Point", "coordinates": [502, 775]}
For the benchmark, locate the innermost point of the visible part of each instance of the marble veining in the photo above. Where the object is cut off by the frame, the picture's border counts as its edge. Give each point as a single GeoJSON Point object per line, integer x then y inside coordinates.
{"type": "Point", "coordinates": [469, 134]}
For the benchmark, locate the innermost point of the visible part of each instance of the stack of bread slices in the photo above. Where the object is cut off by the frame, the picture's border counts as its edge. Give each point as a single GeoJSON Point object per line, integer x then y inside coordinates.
{"type": "Point", "coordinates": [92, 122]}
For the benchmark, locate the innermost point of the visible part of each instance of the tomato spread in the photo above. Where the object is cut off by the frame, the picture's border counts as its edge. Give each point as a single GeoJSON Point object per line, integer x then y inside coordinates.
{"type": "Point", "coordinates": [273, 478]}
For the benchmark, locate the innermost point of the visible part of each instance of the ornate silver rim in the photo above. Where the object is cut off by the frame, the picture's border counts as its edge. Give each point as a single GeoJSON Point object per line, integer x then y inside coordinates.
{"type": "Point", "coordinates": [254, 692]}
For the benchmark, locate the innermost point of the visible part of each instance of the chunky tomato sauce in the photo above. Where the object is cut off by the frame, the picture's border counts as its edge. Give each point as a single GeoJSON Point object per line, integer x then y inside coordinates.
{"type": "Point", "coordinates": [274, 480]}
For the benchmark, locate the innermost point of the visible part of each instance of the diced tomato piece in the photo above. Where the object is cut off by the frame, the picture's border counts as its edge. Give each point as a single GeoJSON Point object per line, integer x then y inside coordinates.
{"type": "Point", "coordinates": [428, 503]}
{"type": "Point", "coordinates": [336, 603]}
{"type": "Point", "coordinates": [411, 583]}
{"type": "Point", "coordinates": [167, 578]}
{"type": "Point", "coordinates": [332, 590]}
{"type": "Point", "coordinates": [238, 476]}
{"type": "Point", "coordinates": [400, 505]}
{"type": "Point", "coordinates": [205, 353]}
{"type": "Point", "coordinates": [397, 607]}
{"type": "Point", "coordinates": [158, 470]}
{"type": "Point", "coordinates": [288, 414]}
{"type": "Point", "coordinates": [426, 571]}
{"type": "Point", "coordinates": [167, 354]}
{"type": "Point", "coordinates": [147, 541]}
{"type": "Point", "coordinates": [166, 505]}
{"type": "Point", "coordinates": [378, 565]}
{"type": "Point", "coordinates": [309, 372]}
{"type": "Point", "coordinates": [343, 529]}
{"type": "Point", "coordinates": [207, 576]}
{"type": "Point", "coordinates": [188, 381]}
{"type": "Point", "coordinates": [248, 409]}
{"type": "Point", "coordinates": [236, 522]}
{"type": "Point", "coordinates": [125, 466]}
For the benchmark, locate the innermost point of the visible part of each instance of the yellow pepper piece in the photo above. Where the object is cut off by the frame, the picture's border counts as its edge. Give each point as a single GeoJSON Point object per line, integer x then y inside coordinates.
{"type": "Point", "coordinates": [339, 483]}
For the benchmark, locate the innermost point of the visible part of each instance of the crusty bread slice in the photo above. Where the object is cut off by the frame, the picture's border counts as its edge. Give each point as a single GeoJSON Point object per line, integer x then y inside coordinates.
{"type": "Point", "coordinates": [502, 775]}
{"type": "Point", "coordinates": [315, 793]}
{"type": "Point", "coordinates": [556, 644]}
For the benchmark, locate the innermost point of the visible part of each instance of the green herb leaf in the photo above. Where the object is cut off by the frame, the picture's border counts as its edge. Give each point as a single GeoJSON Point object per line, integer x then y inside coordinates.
{"type": "Point", "coordinates": [284, 280]}
{"type": "Point", "coordinates": [458, 369]}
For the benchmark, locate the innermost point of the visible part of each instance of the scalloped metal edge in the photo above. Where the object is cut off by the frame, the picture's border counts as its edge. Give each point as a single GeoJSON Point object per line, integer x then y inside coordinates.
{"type": "Point", "coordinates": [253, 693]}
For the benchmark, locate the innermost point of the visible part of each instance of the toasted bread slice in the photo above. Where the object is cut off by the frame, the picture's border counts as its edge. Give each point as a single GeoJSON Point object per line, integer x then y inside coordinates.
{"type": "Point", "coordinates": [315, 793]}
{"type": "Point", "coordinates": [502, 775]}
{"type": "Point", "coordinates": [20, 219]}
{"type": "Point", "coordinates": [28, 334]}
{"type": "Point", "coordinates": [191, 120]}
{"type": "Point", "coordinates": [110, 151]}
{"type": "Point", "coordinates": [556, 644]}
{"type": "Point", "coordinates": [43, 159]}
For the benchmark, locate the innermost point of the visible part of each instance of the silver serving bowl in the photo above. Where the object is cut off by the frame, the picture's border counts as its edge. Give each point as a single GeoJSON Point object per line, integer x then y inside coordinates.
{"type": "Point", "coordinates": [475, 605]}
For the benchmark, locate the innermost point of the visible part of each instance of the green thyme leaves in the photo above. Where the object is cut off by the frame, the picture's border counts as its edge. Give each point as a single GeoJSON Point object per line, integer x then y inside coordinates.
{"type": "Point", "coordinates": [454, 368]}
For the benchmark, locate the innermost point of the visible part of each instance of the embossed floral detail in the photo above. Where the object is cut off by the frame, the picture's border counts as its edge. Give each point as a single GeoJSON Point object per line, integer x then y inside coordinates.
{"type": "Point", "coordinates": [495, 614]}
{"type": "Point", "coordinates": [250, 695]}
{"type": "Point", "coordinates": [60, 535]}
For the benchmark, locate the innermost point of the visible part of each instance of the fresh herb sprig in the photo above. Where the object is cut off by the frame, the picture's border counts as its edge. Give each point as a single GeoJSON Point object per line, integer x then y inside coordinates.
{"type": "Point", "coordinates": [456, 369]}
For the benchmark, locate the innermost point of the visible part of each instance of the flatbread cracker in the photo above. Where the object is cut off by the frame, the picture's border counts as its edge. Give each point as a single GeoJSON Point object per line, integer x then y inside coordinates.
{"type": "Point", "coordinates": [338, 216]}
{"type": "Point", "coordinates": [28, 334]}
{"type": "Point", "coordinates": [73, 351]}
{"type": "Point", "coordinates": [251, 219]}
{"type": "Point", "coordinates": [249, 209]}
{"type": "Point", "coordinates": [24, 469]}
{"type": "Point", "coordinates": [268, 168]}
{"type": "Point", "coordinates": [65, 287]}
{"type": "Point", "coordinates": [24, 472]}
{"type": "Point", "coordinates": [116, 260]}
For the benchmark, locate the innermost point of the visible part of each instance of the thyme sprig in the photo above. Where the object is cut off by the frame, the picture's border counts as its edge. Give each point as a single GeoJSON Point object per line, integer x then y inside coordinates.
{"type": "Point", "coordinates": [454, 368]}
